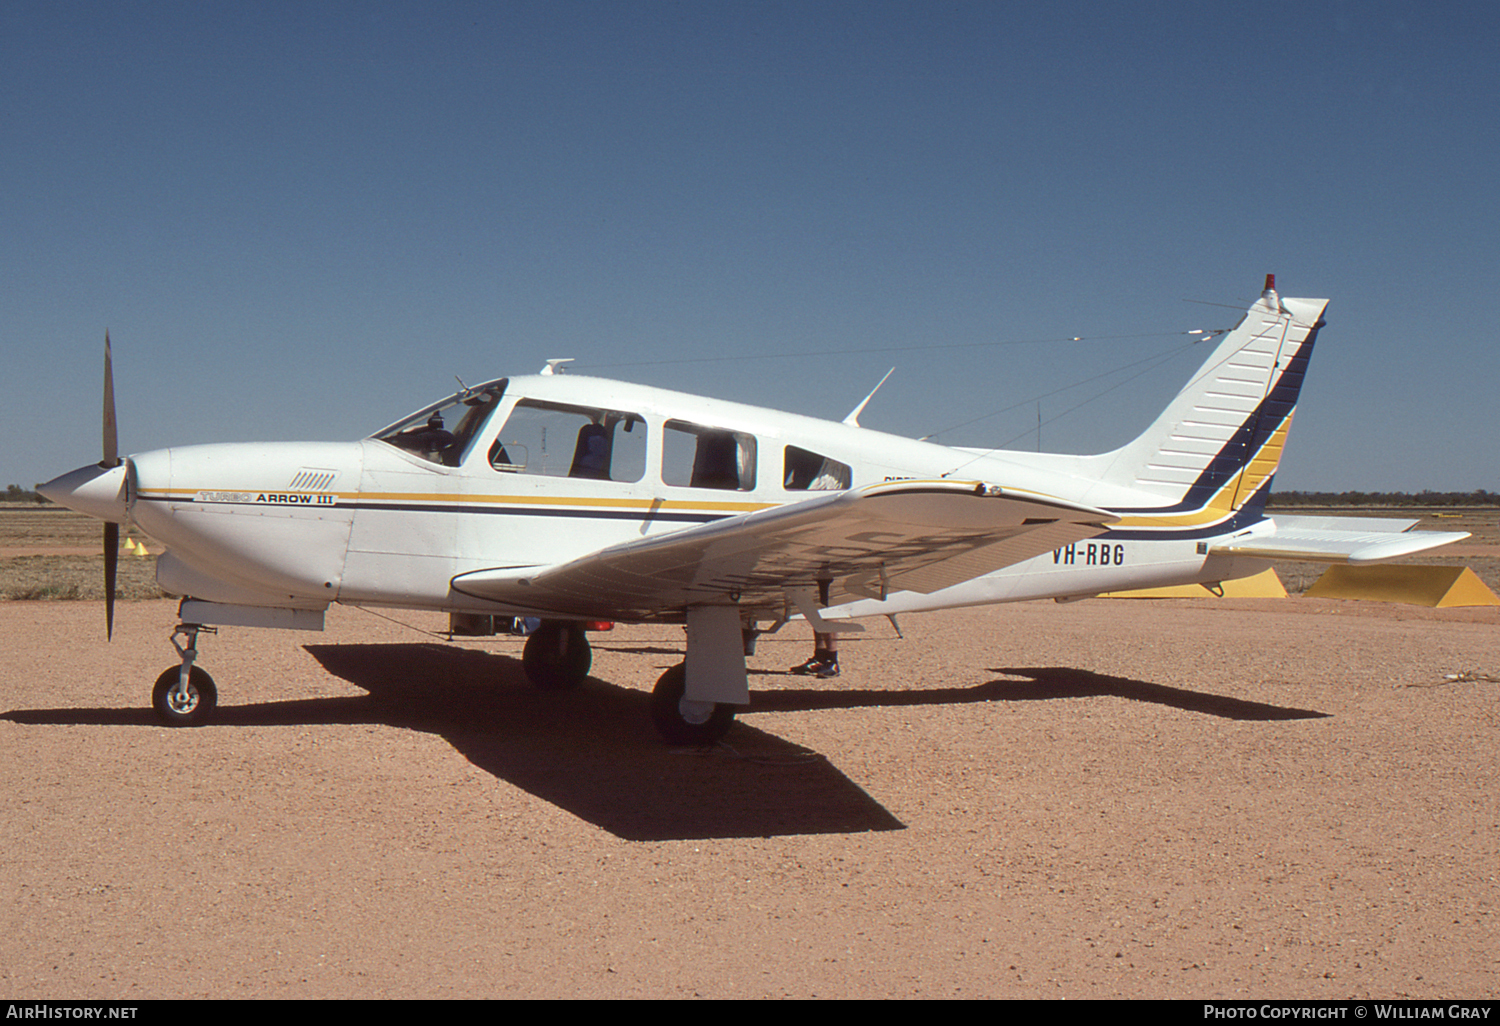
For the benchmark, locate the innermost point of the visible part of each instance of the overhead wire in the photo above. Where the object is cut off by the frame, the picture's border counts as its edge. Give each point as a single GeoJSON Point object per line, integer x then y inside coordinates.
{"type": "Point", "coordinates": [1154, 360]}
{"type": "Point", "coordinates": [923, 348]}
{"type": "Point", "coordinates": [1147, 364]}
{"type": "Point", "coordinates": [1151, 362]}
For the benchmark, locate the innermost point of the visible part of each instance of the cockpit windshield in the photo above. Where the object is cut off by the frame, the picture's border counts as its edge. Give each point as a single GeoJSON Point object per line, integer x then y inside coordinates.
{"type": "Point", "coordinates": [443, 431]}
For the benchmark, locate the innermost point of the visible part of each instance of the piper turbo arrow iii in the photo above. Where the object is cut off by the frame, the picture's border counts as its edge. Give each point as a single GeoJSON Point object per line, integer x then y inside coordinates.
{"type": "Point", "coordinates": [573, 499]}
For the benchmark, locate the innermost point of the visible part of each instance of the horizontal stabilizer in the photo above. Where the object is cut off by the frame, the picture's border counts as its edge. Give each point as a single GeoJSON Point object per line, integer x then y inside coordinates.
{"type": "Point", "coordinates": [1353, 540]}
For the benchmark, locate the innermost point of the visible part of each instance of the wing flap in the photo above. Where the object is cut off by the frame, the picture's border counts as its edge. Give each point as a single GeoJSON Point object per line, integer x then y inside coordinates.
{"type": "Point", "coordinates": [902, 535]}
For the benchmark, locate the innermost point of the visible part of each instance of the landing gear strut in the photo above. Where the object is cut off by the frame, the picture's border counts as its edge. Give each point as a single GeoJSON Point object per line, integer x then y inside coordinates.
{"type": "Point", "coordinates": [184, 695]}
{"type": "Point", "coordinates": [702, 713]}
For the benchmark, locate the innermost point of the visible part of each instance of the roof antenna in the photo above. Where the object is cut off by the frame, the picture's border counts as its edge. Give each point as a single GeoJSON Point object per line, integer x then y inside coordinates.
{"type": "Point", "coordinates": [555, 366]}
{"type": "Point", "coordinates": [853, 419]}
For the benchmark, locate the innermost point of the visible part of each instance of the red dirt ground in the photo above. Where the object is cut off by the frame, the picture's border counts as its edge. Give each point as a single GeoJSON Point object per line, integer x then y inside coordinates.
{"type": "Point", "coordinates": [1106, 799]}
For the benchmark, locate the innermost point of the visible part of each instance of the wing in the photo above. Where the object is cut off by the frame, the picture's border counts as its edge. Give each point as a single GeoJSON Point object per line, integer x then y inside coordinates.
{"type": "Point", "coordinates": [901, 535]}
{"type": "Point", "coordinates": [1353, 540]}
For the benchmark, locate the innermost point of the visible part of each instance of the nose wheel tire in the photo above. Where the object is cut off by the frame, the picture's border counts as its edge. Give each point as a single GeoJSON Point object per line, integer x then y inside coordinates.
{"type": "Point", "coordinates": [188, 710]}
{"type": "Point", "coordinates": [682, 722]}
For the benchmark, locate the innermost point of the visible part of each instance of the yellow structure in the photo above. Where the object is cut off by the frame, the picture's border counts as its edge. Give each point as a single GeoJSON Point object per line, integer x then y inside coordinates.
{"type": "Point", "coordinates": [1434, 586]}
{"type": "Point", "coordinates": [1263, 585]}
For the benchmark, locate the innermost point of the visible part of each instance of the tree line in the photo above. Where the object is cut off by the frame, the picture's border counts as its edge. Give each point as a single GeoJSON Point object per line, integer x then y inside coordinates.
{"type": "Point", "coordinates": [1479, 497]}
{"type": "Point", "coordinates": [15, 493]}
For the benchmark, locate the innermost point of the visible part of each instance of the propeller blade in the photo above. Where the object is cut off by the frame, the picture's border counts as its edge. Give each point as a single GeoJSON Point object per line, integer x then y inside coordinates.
{"type": "Point", "coordinates": [111, 434]}
{"type": "Point", "coordinates": [111, 459]}
{"type": "Point", "coordinates": [111, 563]}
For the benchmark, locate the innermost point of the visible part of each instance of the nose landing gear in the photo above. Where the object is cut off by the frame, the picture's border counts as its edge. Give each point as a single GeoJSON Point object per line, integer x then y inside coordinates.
{"type": "Point", "coordinates": [184, 695]}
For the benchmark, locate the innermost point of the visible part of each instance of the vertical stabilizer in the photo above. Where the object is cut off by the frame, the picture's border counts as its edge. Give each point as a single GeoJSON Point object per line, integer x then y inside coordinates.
{"type": "Point", "coordinates": [1216, 446]}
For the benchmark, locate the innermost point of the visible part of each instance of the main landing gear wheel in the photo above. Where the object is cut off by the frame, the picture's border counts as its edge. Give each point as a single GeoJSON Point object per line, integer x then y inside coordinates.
{"type": "Point", "coordinates": [557, 656]}
{"type": "Point", "coordinates": [682, 722]}
{"type": "Point", "coordinates": [191, 709]}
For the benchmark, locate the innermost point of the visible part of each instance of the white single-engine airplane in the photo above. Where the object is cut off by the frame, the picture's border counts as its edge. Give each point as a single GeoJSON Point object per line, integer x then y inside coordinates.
{"type": "Point", "coordinates": [573, 499]}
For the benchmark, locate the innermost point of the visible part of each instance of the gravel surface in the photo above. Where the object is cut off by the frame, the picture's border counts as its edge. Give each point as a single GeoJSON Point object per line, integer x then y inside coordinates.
{"type": "Point", "coordinates": [1243, 798]}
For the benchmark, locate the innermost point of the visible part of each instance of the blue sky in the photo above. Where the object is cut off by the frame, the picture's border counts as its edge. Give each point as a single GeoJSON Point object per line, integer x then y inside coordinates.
{"type": "Point", "coordinates": [302, 219]}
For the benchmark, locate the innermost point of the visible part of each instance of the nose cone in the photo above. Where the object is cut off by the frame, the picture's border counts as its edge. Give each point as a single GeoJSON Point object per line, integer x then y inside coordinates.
{"type": "Point", "coordinates": [96, 491]}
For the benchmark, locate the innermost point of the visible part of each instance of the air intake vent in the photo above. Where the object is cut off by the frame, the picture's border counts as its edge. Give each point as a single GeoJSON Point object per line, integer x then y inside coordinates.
{"type": "Point", "coordinates": [309, 480]}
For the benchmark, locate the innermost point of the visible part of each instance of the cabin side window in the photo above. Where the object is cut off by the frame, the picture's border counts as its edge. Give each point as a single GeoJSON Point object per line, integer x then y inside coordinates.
{"type": "Point", "coordinates": [694, 456]}
{"type": "Point", "coordinates": [556, 440]}
{"type": "Point", "coordinates": [809, 471]}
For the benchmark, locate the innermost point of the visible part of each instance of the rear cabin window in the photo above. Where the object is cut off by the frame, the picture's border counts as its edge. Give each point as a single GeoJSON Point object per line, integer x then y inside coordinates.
{"type": "Point", "coordinates": [809, 471]}
{"type": "Point", "coordinates": [694, 456]}
{"type": "Point", "coordinates": [555, 440]}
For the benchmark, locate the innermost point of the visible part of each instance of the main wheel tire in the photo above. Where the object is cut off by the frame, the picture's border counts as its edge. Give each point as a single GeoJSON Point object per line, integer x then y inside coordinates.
{"type": "Point", "coordinates": [557, 656]}
{"type": "Point", "coordinates": [199, 705]}
{"type": "Point", "coordinates": [684, 723]}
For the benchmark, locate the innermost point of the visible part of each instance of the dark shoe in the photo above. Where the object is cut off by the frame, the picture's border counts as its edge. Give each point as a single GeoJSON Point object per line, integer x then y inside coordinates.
{"type": "Point", "coordinates": [829, 668]}
{"type": "Point", "coordinates": [813, 665]}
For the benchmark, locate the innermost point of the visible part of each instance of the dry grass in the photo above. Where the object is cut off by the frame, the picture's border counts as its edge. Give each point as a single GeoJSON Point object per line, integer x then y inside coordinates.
{"type": "Point", "coordinates": [25, 525]}
{"type": "Point", "coordinates": [75, 577]}
{"type": "Point", "coordinates": [45, 561]}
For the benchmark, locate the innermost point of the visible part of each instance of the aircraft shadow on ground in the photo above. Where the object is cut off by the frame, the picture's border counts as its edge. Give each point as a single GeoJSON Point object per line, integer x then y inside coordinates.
{"type": "Point", "coordinates": [593, 752]}
{"type": "Point", "coordinates": [1042, 683]}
